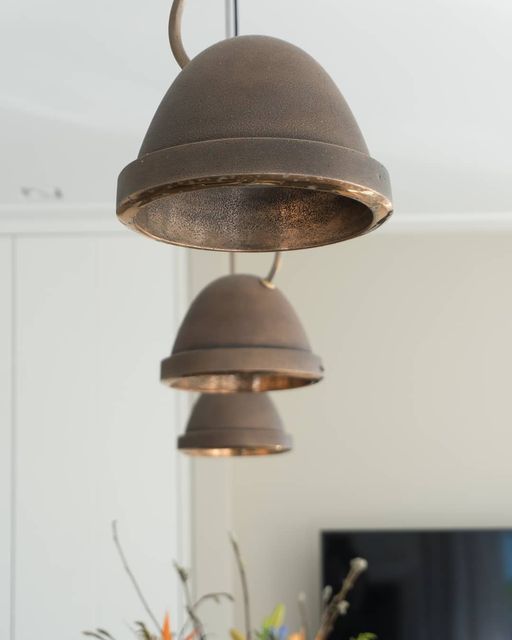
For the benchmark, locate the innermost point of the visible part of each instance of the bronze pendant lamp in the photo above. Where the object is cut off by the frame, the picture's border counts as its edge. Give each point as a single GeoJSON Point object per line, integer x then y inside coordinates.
{"type": "Point", "coordinates": [234, 425]}
{"type": "Point", "coordinates": [241, 334]}
{"type": "Point", "coordinates": [253, 148]}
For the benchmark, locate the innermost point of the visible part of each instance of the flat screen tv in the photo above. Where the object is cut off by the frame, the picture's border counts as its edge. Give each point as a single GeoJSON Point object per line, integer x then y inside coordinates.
{"type": "Point", "coordinates": [424, 585]}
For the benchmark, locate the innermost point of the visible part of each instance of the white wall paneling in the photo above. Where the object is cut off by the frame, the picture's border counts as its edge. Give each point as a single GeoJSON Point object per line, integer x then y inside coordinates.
{"type": "Point", "coordinates": [6, 428]}
{"type": "Point", "coordinates": [97, 308]}
{"type": "Point", "coordinates": [95, 430]}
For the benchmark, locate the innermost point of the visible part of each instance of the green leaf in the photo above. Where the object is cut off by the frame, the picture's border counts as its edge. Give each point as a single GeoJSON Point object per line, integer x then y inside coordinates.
{"type": "Point", "coordinates": [276, 618]}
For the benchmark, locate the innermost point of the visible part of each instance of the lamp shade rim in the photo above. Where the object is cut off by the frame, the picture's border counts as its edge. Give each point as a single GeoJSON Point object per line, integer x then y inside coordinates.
{"type": "Point", "coordinates": [234, 441]}
{"type": "Point", "coordinates": [198, 368]}
{"type": "Point", "coordinates": [204, 166]}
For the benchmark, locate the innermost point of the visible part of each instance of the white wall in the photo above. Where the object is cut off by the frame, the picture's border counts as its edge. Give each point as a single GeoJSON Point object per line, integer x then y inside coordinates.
{"type": "Point", "coordinates": [411, 426]}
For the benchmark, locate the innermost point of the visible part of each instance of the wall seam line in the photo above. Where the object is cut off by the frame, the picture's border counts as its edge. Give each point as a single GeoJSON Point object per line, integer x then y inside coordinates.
{"type": "Point", "coordinates": [14, 425]}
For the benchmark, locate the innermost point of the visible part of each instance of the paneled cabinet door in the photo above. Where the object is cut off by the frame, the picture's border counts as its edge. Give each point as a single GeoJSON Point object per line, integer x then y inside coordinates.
{"type": "Point", "coordinates": [95, 432]}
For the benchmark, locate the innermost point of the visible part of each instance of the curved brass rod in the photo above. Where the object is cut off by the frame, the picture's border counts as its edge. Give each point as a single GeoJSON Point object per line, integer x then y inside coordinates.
{"type": "Point", "coordinates": [175, 40]}
{"type": "Point", "coordinates": [276, 264]}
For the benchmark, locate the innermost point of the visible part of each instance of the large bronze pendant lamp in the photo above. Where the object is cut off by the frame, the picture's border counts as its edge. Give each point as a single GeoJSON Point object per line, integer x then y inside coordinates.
{"type": "Point", "coordinates": [241, 334]}
{"type": "Point", "coordinates": [253, 148]}
{"type": "Point", "coordinates": [238, 424]}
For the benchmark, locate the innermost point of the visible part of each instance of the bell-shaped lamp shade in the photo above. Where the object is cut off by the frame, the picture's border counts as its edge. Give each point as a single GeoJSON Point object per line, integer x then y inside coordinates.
{"type": "Point", "coordinates": [240, 335]}
{"type": "Point", "coordinates": [234, 425]}
{"type": "Point", "coordinates": [253, 148]}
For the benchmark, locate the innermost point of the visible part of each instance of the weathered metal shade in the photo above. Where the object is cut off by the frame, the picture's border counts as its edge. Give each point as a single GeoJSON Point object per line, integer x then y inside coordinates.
{"type": "Point", "coordinates": [253, 148]}
{"type": "Point", "coordinates": [235, 425]}
{"type": "Point", "coordinates": [240, 335]}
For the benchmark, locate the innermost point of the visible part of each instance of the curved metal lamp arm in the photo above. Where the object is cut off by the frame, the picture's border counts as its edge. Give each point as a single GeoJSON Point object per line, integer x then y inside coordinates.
{"type": "Point", "coordinates": [175, 40]}
{"type": "Point", "coordinates": [276, 264]}
{"type": "Point", "coordinates": [269, 280]}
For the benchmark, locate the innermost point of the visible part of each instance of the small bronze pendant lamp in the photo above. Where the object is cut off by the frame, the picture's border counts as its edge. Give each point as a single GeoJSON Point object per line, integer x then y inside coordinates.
{"type": "Point", "coordinates": [253, 148]}
{"type": "Point", "coordinates": [234, 425]}
{"type": "Point", "coordinates": [241, 334]}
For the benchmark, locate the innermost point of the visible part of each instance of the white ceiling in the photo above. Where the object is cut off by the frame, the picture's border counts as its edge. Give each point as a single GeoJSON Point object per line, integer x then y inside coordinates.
{"type": "Point", "coordinates": [429, 82]}
{"type": "Point", "coordinates": [80, 83]}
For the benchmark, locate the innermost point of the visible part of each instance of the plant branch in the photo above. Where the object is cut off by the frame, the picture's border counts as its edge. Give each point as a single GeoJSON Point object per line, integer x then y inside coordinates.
{"type": "Point", "coordinates": [339, 605]}
{"type": "Point", "coordinates": [132, 577]}
{"type": "Point", "coordinates": [326, 596]}
{"type": "Point", "coordinates": [245, 588]}
{"type": "Point", "coordinates": [216, 596]}
{"type": "Point", "coordinates": [301, 600]}
{"type": "Point", "coordinates": [196, 622]}
{"type": "Point", "coordinates": [208, 596]}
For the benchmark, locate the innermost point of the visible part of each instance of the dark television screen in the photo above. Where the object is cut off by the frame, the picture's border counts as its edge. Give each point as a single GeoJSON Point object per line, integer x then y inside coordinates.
{"type": "Point", "coordinates": [424, 585]}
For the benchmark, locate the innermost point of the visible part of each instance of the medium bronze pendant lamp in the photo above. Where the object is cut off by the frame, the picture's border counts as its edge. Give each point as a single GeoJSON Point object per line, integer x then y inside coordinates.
{"type": "Point", "coordinates": [253, 148]}
{"type": "Point", "coordinates": [234, 425]}
{"type": "Point", "coordinates": [241, 334]}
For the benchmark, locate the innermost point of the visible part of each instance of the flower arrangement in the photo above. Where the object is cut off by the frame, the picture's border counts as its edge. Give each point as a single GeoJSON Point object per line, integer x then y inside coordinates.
{"type": "Point", "coordinates": [272, 627]}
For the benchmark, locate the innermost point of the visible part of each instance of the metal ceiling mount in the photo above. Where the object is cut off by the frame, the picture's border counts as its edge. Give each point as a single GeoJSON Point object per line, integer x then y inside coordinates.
{"type": "Point", "coordinates": [253, 148]}
{"type": "Point", "coordinates": [235, 425]}
{"type": "Point", "coordinates": [241, 334]}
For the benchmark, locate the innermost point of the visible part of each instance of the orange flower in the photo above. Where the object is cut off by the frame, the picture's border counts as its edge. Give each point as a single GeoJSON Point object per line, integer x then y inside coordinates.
{"type": "Point", "coordinates": [166, 630]}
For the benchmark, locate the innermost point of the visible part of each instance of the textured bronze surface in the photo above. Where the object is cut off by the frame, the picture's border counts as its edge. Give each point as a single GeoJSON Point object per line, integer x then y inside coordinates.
{"type": "Point", "coordinates": [253, 148]}
{"type": "Point", "coordinates": [240, 335]}
{"type": "Point", "coordinates": [234, 425]}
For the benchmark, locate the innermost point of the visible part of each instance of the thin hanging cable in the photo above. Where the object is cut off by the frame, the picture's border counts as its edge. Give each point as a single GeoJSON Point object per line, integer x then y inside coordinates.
{"type": "Point", "coordinates": [232, 30]}
{"type": "Point", "coordinates": [175, 40]}
{"type": "Point", "coordinates": [235, 17]}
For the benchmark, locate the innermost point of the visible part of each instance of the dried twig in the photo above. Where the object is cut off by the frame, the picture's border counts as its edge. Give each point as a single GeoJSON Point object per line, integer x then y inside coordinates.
{"type": "Point", "coordinates": [132, 577]}
{"type": "Point", "coordinates": [245, 588]}
{"type": "Point", "coordinates": [216, 597]}
{"type": "Point", "coordinates": [326, 596]}
{"type": "Point", "coordinates": [143, 632]}
{"type": "Point", "coordinates": [339, 605]}
{"type": "Point", "coordinates": [196, 622]}
{"type": "Point", "coordinates": [99, 633]}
